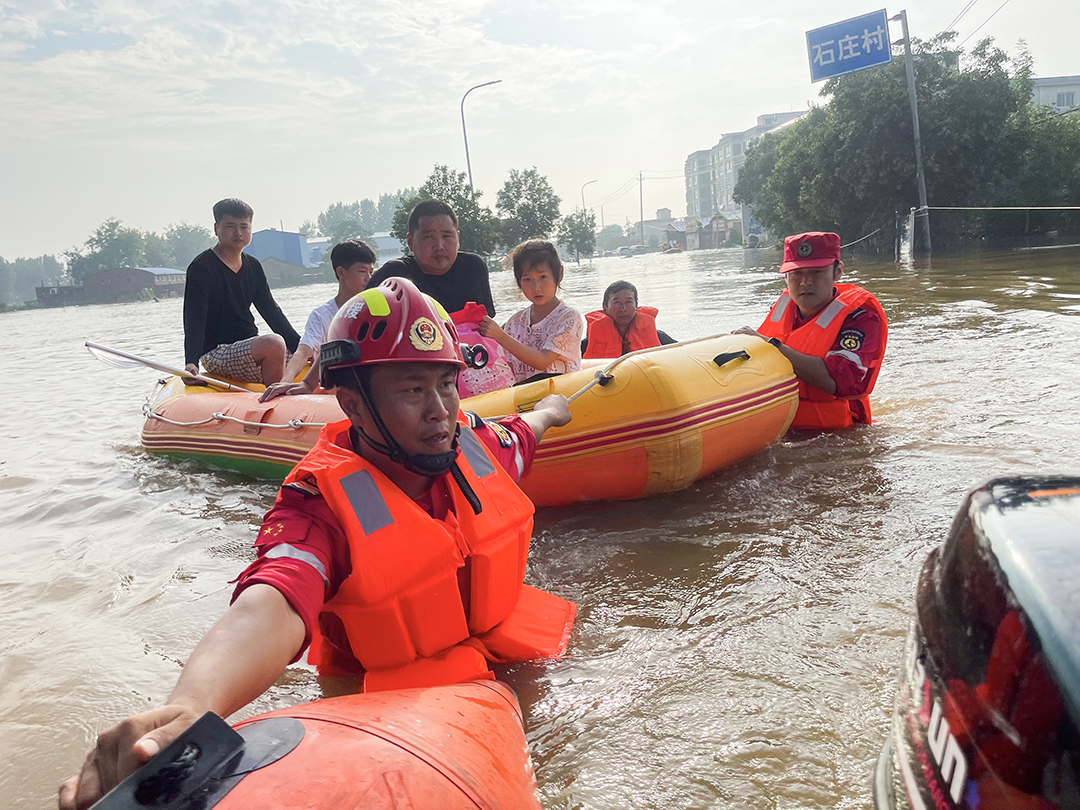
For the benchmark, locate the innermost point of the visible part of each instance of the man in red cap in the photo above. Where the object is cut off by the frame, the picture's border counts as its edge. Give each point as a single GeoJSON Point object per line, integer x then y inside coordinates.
{"type": "Point", "coordinates": [833, 334]}
{"type": "Point", "coordinates": [396, 548]}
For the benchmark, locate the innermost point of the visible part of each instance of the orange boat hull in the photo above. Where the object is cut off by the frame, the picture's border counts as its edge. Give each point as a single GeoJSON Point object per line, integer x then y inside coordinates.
{"type": "Point", "coordinates": [667, 418]}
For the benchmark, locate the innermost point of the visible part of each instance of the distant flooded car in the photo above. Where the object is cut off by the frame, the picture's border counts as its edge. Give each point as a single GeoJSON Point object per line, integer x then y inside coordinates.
{"type": "Point", "coordinates": [987, 709]}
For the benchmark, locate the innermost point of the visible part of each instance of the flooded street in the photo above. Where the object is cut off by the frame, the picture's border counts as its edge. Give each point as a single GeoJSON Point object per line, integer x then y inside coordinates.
{"type": "Point", "coordinates": [737, 643]}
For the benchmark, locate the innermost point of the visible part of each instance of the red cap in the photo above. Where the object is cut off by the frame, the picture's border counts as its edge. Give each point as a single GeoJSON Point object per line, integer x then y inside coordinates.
{"type": "Point", "coordinates": [392, 323]}
{"type": "Point", "coordinates": [814, 249]}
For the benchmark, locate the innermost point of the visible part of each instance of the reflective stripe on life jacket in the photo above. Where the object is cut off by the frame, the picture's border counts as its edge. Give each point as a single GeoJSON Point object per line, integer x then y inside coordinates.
{"type": "Point", "coordinates": [818, 409]}
{"type": "Point", "coordinates": [401, 607]}
{"type": "Point", "coordinates": [605, 340]}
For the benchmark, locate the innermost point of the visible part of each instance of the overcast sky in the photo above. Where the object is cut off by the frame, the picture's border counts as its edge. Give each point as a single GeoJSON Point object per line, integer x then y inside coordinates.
{"type": "Point", "coordinates": [151, 110]}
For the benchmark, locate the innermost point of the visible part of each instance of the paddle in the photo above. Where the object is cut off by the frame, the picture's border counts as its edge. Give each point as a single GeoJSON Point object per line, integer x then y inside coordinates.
{"type": "Point", "coordinates": [118, 359]}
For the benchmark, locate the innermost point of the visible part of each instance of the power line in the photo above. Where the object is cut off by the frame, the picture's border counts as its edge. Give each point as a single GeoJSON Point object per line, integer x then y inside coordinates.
{"type": "Point", "coordinates": [988, 19]}
{"type": "Point", "coordinates": [620, 191]}
{"type": "Point", "coordinates": [960, 16]}
{"type": "Point", "coordinates": [628, 186]}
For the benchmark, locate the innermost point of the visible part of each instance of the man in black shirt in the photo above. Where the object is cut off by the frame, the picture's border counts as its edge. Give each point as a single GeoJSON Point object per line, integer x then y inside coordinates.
{"type": "Point", "coordinates": [222, 284]}
{"type": "Point", "coordinates": [436, 267]}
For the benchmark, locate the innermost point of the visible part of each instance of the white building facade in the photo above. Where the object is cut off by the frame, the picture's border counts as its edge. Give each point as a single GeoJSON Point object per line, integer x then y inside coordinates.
{"type": "Point", "coordinates": [1060, 92]}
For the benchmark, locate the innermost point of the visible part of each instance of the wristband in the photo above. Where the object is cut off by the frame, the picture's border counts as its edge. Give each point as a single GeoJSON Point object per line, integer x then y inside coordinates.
{"type": "Point", "coordinates": [775, 341]}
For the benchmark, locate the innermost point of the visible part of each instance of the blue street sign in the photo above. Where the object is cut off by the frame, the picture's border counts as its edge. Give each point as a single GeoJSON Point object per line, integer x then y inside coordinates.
{"type": "Point", "coordinates": [847, 46]}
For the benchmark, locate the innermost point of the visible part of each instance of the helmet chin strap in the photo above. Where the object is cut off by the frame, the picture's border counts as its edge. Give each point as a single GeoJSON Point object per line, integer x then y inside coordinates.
{"type": "Point", "coordinates": [431, 465]}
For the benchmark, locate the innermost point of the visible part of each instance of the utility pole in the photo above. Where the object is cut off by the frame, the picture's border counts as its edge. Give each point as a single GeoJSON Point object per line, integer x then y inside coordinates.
{"type": "Point", "coordinates": [909, 66]}
{"type": "Point", "coordinates": [641, 203]}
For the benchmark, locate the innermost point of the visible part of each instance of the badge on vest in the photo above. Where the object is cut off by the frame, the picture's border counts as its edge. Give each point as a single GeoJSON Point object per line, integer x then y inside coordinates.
{"type": "Point", "coordinates": [851, 339]}
{"type": "Point", "coordinates": [425, 336]}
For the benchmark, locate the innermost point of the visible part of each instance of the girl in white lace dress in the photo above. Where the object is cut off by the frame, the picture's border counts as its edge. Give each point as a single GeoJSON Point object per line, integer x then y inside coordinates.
{"type": "Point", "coordinates": [546, 335]}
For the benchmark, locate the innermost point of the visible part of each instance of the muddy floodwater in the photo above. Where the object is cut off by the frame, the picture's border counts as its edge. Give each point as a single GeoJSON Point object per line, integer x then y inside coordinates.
{"type": "Point", "coordinates": [737, 643]}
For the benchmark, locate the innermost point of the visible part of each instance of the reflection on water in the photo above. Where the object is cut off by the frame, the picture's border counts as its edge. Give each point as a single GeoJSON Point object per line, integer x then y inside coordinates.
{"type": "Point", "coordinates": [737, 642]}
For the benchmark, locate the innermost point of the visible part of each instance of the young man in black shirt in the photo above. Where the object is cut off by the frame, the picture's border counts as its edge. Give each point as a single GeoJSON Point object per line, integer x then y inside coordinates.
{"type": "Point", "coordinates": [436, 267]}
{"type": "Point", "coordinates": [222, 284]}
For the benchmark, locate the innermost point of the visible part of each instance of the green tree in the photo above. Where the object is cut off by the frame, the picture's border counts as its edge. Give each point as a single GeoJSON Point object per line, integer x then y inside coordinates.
{"type": "Point", "coordinates": [577, 232]}
{"type": "Point", "coordinates": [111, 245]}
{"type": "Point", "coordinates": [611, 237]}
{"type": "Point", "coordinates": [186, 241]}
{"type": "Point", "coordinates": [849, 165]}
{"type": "Point", "coordinates": [19, 277]}
{"type": "Point", "coordinates": [388, 204]}
{"type": "Point", "coordinates": [529, 206]}
{"type": "Point", "coordinates": [308, 228]}
{"type": "Point", "coordinates": [477, 225]}
{"type": "Point", "coordinates": [341, 221]}
{"type": "Point", "coordinates": [157, 252]}
{"type": "Point", "coordinates": [369, 216]}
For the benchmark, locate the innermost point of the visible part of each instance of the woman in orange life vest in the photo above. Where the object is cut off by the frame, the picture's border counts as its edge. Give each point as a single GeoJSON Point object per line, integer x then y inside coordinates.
{"type": "Point", "coordinates": [621, 326]}
{"type": "Point", "coordinates": [407, 470]}
{"type": "Point", "coordinates": [833, 334]}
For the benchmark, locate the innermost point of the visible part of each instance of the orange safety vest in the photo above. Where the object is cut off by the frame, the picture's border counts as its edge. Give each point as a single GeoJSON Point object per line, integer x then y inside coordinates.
{"type": "Point", "coordinates": [818, 409]}
{"type": "Point", "coordinates": [605, 340]}
{"type": "Point", "coordinates": [401, 607]}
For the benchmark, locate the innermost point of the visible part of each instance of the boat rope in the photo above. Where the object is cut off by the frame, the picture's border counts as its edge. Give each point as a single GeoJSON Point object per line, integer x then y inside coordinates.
{"type": "Point", "coordinates": [1003, 208]}
{"type": "Point", "coordinates": [849, 244]}
{"type": "Point", "coordinates": [601, 377]}
{"type": "Point", "coordinates": [292, 424]}
{"type": "Point", "coordinates": [604, 376]}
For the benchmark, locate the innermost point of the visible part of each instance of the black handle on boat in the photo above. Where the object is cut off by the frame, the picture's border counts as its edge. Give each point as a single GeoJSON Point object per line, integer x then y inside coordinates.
{"type": "Point", "coordinates": [204, 763]}
{"type": "Point", "coordinates": [727, 357]}
{"type": "Point", "coordinates": [475, 356]}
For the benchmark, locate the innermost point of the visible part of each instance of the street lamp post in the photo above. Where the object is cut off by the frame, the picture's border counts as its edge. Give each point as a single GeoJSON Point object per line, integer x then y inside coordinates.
{"type": "Point", "coordinates": [583, 194]}
{"type": "Point", "coordinates": [464, 133]}
{"type": "Point", "coordinates": [583, 212]}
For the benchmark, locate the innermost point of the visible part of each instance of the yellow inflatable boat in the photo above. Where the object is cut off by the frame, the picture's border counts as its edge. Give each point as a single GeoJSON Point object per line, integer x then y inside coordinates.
{"type": "Point", "coordinates": [652, 421]}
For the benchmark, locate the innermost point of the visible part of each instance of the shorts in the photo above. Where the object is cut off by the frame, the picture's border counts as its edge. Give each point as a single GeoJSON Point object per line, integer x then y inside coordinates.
{"type": "Point", "coordinates": [234, 361]}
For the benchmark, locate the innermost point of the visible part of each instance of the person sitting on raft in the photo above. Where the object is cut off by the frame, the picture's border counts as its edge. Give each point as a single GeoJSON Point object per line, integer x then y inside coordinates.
{"type": "Point", "coordinates": [834, 335]}
{"type": "Point", "coordinates": [544, 337]}
{"type": "Point", "coordinates": [353, 262]}
{"type": "Point", "coordinates": [396, 547]}
{"type": "Point", "coordinates": [222, 284]}
{"type": "Point", "coordinates": [452, 277]}
{"type": "Point", "coordinates": [622, 326]}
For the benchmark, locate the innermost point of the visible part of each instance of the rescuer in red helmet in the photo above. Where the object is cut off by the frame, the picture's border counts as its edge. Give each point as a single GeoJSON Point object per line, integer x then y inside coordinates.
{"type": "Point", "coordinates": [396, 548]}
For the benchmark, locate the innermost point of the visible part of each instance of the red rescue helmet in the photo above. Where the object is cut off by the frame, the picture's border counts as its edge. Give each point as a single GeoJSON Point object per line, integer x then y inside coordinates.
{"type": "Point", "coordinates": [392, 323]}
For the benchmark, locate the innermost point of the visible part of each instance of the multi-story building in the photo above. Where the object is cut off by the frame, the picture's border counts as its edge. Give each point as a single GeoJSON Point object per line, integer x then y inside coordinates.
{"type": "Point", "coordinates": [724, 162]}
{"type": "Point", "coordinates": [700, 201]}
{"type": "Point", "coordinates": [1060, 92]}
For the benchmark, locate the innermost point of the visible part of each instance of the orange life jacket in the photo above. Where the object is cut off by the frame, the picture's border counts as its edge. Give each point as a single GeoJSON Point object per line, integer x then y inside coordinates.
{"type": "Point", "coordinates": [818, 409]}
{"type": "Point", "coordinates": [605, 340]}
{"type": "Point", "coordinates": [401, 608]}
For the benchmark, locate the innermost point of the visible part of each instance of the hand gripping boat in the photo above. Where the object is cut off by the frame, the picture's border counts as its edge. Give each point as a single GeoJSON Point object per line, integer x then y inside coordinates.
{"type": "Point", "coordinates": [650, 422]}
{"type": "Point", "coordinates": [986, 715]}
{"type": "Point", "coordinates": [457, 747]}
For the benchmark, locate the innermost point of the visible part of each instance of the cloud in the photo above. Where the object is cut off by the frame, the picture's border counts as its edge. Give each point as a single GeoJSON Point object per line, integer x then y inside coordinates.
{"type": "Point", "coordinates": [143, 109]}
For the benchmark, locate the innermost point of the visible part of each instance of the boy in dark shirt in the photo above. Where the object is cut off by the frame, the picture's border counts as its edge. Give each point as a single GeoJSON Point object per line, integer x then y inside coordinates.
{"type": "Point", "coordinates": [222, 284]}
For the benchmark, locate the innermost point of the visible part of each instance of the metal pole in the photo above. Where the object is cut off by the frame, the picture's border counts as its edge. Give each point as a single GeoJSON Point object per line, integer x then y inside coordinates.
{"type": "Point", "coordinates": [641, 202]}
{"type": "Point", "coordinates": [920, 177]}
{"type": "Point", "coordinates": [583, 193]}
{"type": "Point", "coordinates": [465, 134]}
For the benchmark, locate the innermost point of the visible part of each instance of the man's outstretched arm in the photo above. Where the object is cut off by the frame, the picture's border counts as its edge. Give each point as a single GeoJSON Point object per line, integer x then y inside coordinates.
{"type": "Point", "coordinates": [236, 661]}
{"type": "Point", "coordinates": [808, 368]}
{"type": "Point", "coordinates": [552, 411]}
